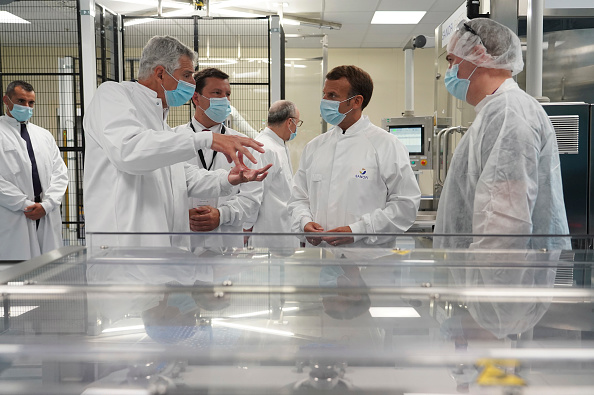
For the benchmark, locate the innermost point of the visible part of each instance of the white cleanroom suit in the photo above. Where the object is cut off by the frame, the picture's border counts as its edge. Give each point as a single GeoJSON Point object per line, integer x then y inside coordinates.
{"type": "Point", "coordinates": [135, 176]}
{"type": "Point", "coordinates": [359, 178]}
{"type": "Point", "coordinates": [504, 177]}
{"type": "Point", "coordinates": [20, 239]}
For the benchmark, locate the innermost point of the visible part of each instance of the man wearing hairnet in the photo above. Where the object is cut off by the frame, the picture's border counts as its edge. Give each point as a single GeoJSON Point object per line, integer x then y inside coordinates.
{"type": "Point", "coordinates": [504, 177]}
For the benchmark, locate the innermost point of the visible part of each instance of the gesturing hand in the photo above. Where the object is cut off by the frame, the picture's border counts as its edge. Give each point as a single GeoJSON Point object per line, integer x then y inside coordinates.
{"type": "Point", "coordinates": [240, 174]}
{"type": "Point", "coordinates": [235, 147]}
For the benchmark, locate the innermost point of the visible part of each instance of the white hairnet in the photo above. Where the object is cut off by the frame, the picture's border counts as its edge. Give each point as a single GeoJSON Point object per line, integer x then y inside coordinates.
{"type": "Point", "coordinates": [487, 43]}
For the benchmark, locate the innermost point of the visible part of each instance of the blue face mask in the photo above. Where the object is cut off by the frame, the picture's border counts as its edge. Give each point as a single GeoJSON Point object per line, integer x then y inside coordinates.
{"type": "Point", "coordinates": [219, 108]}
{"type": "Point", "coordinates": [329, 276]}
{"type": "Point", "coordinates": [20, 113]}
{"type": "Point", "coordinates": [180, 95]}
{"type": "Point", "coordinates": [330, 113]}
{"type": "Point", "coordinates": [458, 87]}
{"type": "Point", "coordinates": [294, 134]}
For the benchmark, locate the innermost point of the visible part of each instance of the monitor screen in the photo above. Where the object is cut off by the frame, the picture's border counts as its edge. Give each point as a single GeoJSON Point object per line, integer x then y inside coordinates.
{"type": "Point", "coordinates": [411, 136]}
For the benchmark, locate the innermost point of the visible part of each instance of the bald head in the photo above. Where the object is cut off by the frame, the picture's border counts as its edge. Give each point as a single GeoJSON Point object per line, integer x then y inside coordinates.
{"type": "Point", "coordinates": [280, 111]}
{"type": "Point", "coordinates": [283, 117]}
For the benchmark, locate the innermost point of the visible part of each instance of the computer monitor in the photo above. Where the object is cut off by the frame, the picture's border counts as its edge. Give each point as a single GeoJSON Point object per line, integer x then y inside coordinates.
{"type": "Point", "coordinates": [415, 133]}
{"type": "Point", "coordinates": [412, 136]}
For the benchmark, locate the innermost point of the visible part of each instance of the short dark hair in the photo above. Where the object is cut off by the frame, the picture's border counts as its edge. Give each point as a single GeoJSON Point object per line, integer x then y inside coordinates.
{"type": "Point", "coordinates": [360, 81]}
{"type": "Point", "coordinates": [12, 86]}
{"type": "Point", "coordinates": [211, 72]}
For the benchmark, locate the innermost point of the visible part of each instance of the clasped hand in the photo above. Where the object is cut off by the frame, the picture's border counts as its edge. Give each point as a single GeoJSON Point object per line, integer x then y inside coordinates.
{"type": "Point", "coordinates": [332, 240]}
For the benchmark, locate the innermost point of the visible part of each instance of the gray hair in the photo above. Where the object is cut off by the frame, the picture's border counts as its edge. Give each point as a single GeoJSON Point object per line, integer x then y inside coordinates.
{"type": "Point", "coordinates": [280, 111]}
{"type": "Point", "coordinates": [162, 51]}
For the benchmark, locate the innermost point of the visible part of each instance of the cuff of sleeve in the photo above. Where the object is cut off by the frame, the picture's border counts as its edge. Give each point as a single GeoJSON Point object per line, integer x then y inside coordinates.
{"type": "Point", "coordinates": [202, 140]}
{"type": "Point", "coordinates": [358, 227]}
{"type": "Point", "coordinates": [28, 203]}
{"type": "Point", "coordinates": [304, 221]}
{"type": "Point", "coordinates": [226, 186]}
{"type": "Point", "coordinates": [224, 215]}
{"type": "Point", "coordinates": [47, 206]}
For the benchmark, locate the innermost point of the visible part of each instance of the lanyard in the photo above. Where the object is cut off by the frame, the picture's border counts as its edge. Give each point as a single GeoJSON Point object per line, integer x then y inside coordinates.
{"type": "Point", "coordinates": [201, 154]}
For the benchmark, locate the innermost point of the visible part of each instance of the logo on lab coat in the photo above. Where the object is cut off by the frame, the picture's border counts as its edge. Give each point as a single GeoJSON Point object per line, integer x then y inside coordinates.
{"type": "Point", "coordinates": [362, 175]}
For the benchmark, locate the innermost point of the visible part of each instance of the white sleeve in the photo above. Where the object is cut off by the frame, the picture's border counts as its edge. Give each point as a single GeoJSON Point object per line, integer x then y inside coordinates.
{"type": "Point", "coordinates": [402, 202]}
{"type": "Point", "coordinates": [508, 185]}
{"type": "Point", "coordinates": [52, 197]}
{"type": "Point", "coordinates": [298, 206]}
{"type": "Point", "coordinates": [244, 206]}
{"type": "Point", "coordinates": [114, 123]}
{"type": "Point", "coordinates": [206, 184]}
{"type": "Point", "coordinates": [11, 197]}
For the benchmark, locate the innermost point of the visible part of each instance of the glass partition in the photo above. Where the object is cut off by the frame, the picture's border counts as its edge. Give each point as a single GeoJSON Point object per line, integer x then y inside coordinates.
{"type": "Point", "coordinates": [157, 319]}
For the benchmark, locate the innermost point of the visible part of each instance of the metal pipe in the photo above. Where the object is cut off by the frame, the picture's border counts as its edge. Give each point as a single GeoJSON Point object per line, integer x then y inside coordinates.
{"type": "Point", "coordinates": [534, 48]}
{"type": "Point", "coordinates": [409, 78]}
{"type": "Point", "coordinates": [160, 8]}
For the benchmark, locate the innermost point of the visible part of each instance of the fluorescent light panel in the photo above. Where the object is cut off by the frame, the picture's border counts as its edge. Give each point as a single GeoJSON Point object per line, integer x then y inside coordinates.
{"type": "Point", "coordinates": [393, 312]}
{"type": "Point", "coordinates": [397, 17]}
{"type": "Point", "coordinates": [7, 17]}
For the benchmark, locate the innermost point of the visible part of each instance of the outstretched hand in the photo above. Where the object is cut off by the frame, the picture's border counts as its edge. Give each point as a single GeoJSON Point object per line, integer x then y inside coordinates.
{"type": "Point", "coordinates": [235, 147]}
{"type": "Point", "coordinates": [240, 174]}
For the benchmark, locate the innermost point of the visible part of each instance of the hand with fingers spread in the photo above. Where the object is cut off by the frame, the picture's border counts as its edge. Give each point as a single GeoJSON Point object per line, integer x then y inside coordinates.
{"type": "Point", "coordinates": [235, 147]}
{"type": "Point", "coordinates": [313, 227]}
{"type": "Point", "coordinates": [240, 174]}
{"type": "Point", "coordinates": [35, 211]}
{"type": "Point", "coordinates": [339, 240]}
{"type": "Point", "coordinates": [204, 219]}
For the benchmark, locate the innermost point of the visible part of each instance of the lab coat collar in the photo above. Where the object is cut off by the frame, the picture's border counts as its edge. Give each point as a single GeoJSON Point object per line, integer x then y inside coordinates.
{"type": "Point", "coordinates": [361, 124]}
{"type": "Point", "coordinates": [13, 122]}
{"type": "Point", "coordinates": [198, 127]}
{"type": "Point", "coordinates": [151, 95]}
{"type": "Point", "coordinates": [507, 85]}
{"type": "Point", "coordinates": [275, 137]}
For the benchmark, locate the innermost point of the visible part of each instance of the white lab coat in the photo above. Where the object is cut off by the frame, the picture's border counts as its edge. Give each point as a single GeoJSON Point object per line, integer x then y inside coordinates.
{"type": "Point", "coordinates": [505, 177]}
{"type": "Point", "coordinates": [233, 210]}
{"type": "Point", "coordinates": [135, 176]}
{"type": "Point", "coordinates": [19, 238]}
{"type": "Point", "coordinates": [272, 195]}
{"type": "Point", "coordinates": [360, 178]}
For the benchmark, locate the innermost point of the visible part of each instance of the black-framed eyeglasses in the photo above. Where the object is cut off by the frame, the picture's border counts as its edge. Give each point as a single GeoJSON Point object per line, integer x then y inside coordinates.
{"type": "Point", "coordinates": [298, 123]}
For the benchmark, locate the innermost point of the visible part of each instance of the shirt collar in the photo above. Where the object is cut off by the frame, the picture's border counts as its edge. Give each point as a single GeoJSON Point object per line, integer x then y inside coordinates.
{"type": "Point", "coordinates": [358, 126]}
{"type": "Point", "coordinates": [270, 133]}
{"type": "Point", "coordinates": [13, 122]}
{"type": "Point", "coordinates": [508, 84]}
{"type": "Point", "coordinates": [198, 127]}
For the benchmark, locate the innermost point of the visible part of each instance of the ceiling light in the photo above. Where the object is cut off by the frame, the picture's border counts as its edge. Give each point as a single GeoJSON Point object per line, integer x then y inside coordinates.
{"type": "Point", "coordinates": [123, 329]}
{"type": "Point", "coordinates": [393, 312]}
{"type": "Point", "coordinates": [7, 17]}
{"type": "Point", "coordinates": [397, 17]}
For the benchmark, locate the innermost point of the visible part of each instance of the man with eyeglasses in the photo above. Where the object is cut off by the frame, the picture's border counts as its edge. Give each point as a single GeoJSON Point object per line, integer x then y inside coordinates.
{"type": "Point", "coordinates": [504, 177]}
{"type": "Point", "coordinates": [356, 178]}
{"type": "Point", "coordinates": [272, 195]}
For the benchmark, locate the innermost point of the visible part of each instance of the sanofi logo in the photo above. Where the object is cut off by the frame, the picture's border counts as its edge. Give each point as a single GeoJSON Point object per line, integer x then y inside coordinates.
{"type": "Point", "coordinates": [362, 175]}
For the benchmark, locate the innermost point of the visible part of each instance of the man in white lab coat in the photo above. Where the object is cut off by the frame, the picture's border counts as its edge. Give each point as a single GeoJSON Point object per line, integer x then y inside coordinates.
{"type": "Point", "coordinates": [135, 176]}
{"type": "Point", "coordinates": [272, 195]}
{"type": "Point", "coordinates": [505, 176]}
{"type": "Point", "coordinates": [33, 180]}
{"type": "Point", "coordinates": [356, 178]}
{"type": "Point", "coordinates": [221, 214]}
